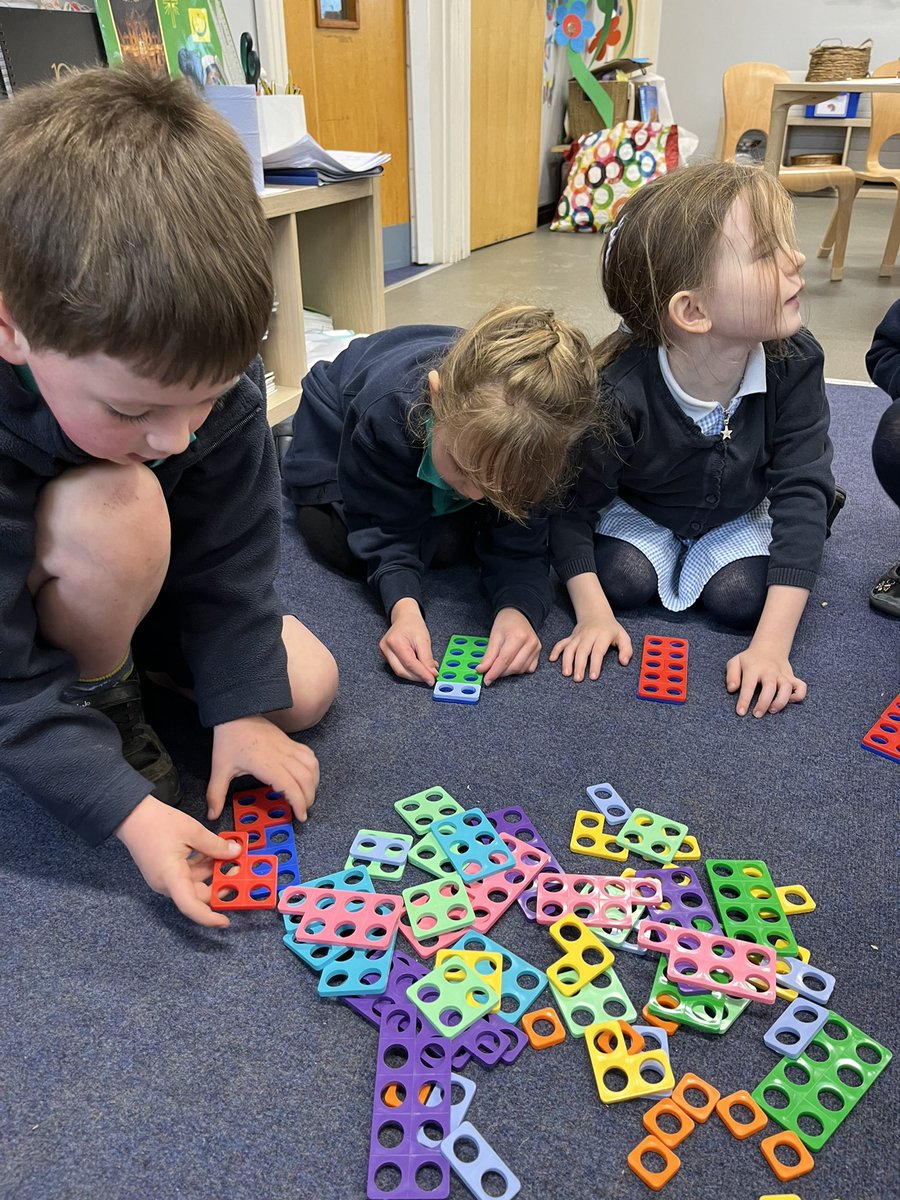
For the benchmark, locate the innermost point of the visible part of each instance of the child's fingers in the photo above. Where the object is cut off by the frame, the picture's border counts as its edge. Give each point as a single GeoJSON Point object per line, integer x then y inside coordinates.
{"type": "Point", "coordinates": [782, 696]}
{"type": "Point", "coordinates": [216, 791]}
{"type": "Point", "coordinates": [733, 675]}
{"type": "Point", "coordinates": [295, 795]}
{"type": "Point", "coordinates": [204, 841]}
{"type": "Point", "coordinates": [424, 652]}
{"type": "Point", "coordinates": [201, 868]}
{"type": "Point", "coordinates": [798, 691]}
{"type": "Point", "coordinates": [557, 651]}
{"type": "Point", "coordinates": [402, 659]}
{"type": "Point", "coordinates": [595, 662]}
{"type": "Point", "coordinates": [626, 651]}
{"type": "Point", "coordinates": [497, 665]}
{"type": "Point", "coordinates": [182, 892]}
{"type": "Point", "coordinates": [304, 766]}
{"type": "Point", "coordinates": [748, 687]}
{"type": "Point", "coordinates": [583, 655]}
{"type": "Point", "coordinates": [570, 659]}
{"type": "Point", "coordinates": [524, 660]}
{"type": "Point", "coordinates": [299, 786]}
{"type": "Point", "coordinates": [767, 691]}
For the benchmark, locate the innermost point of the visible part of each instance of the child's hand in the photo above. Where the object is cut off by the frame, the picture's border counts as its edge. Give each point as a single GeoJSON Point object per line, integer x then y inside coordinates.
{"type": "Point", "coordinates": [254, 746]}
{"type": "Point", "coordinates": [513, 647]}
{"type": "Point", "coordinates": [175, 854]}
{"type": "Point", "coordinates": [771, 673]}
{"type": "Point", "coordinates": [588, 643]}
{"type": "Point", "coordinates": [407, 644]}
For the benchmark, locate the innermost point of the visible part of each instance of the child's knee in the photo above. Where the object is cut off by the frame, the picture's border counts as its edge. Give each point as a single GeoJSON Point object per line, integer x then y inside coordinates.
{"type": "Point", "coordinates": [629, 578]}
{"type": "Point", "coordinates": [313, 676]}
{"type": "Point", "coordinates": [107, 518]}
{"type": "Point", "coordinates": [736, 595]}
{"type": "Point", "coordinates": [886, 443]}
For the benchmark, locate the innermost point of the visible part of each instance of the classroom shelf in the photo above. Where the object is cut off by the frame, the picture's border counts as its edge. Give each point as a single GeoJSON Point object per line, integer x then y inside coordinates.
{"type": "Point", "coordinates": [327, 253]}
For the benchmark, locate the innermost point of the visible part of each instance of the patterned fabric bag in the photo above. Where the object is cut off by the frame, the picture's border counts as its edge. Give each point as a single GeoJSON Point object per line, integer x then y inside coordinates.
{"type": "Point", "coordinates": [606, 169]}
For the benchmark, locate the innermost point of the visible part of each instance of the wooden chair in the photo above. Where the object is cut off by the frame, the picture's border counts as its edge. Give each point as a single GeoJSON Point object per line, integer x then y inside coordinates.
{"type": "Point", "coordinates": [747, 96]}
{"type": "Point", "coordinates": [885, 123]}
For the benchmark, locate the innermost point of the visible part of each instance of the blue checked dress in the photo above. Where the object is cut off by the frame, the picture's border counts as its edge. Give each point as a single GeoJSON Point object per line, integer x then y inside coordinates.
{"type": "Point", "coordinates": [684, 566]}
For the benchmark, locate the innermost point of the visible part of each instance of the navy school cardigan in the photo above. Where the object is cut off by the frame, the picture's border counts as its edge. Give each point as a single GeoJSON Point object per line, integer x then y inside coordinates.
{"type": "Point", "coordinates": [353, 446]}
{"type": "Point", "coordinates": [662, 465]}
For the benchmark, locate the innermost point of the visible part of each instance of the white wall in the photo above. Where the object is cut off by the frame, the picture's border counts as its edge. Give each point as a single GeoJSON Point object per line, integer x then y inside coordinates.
{"type": "Point", "coordinates": [241, 17]}
{"type": "Point", "coordinates": [700, 38]}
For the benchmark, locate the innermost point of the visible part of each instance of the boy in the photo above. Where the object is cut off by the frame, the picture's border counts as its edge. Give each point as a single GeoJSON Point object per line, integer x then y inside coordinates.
{"type": "Point", "coordinates": [138, 479]}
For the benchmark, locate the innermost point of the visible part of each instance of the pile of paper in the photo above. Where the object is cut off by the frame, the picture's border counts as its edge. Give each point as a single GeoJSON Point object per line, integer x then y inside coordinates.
{"type": "Point", "coordinates": [323, 341]}
{"type": "Point", "coordinates": [306, 157]}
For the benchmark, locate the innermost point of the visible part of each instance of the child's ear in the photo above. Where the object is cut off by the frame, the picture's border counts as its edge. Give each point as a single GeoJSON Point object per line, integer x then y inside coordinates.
{"type": "Point", "coordinates": [434, 383]}
{"type": "Point", "coordinates": [13, 344]}
{"type": "Point", "coordinates": [688, 313]}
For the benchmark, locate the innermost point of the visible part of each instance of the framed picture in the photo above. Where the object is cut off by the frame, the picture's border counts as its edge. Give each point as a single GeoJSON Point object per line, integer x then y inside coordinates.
{"type": "Point", "coordinates": [337, 14]}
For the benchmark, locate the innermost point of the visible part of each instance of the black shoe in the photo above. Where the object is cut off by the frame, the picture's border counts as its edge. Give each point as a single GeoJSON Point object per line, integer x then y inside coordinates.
{"type": "Point", "coordinates": [141, 747]}
{"type": "Point", "coordinates": [885, 595]}
{"type": "Point", "coordinates": [840, 499]}
{"type": "Point", "coordinates": [283, 433]}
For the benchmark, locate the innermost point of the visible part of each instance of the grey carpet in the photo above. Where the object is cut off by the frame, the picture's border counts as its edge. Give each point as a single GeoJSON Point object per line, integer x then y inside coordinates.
{"type": "Point", "coordinates": [143, 1057]}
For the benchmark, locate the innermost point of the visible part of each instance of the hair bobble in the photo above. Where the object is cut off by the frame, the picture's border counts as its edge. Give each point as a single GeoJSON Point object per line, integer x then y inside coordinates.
{"type": "Point", "coordinates": [610, 238]}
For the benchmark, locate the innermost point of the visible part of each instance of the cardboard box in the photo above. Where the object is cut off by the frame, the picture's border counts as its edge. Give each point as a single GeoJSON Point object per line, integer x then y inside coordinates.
{"type": "Point", "coordinates": [584, 118]}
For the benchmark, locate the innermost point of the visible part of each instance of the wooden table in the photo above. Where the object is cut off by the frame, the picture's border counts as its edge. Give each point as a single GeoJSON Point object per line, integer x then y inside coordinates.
{"type": "Point", "coordinates": [786, 94]}
{"type": "Point", "coordinates": [327, 253]}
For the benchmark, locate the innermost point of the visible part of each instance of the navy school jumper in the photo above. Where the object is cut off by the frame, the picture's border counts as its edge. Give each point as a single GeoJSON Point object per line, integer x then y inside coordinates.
{"type": "Point", "coordinates": [218, 600]}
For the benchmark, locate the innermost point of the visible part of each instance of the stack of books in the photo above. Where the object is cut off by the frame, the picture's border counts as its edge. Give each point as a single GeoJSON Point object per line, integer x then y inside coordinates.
{"type": "Point", "coordinates": [306, 163]}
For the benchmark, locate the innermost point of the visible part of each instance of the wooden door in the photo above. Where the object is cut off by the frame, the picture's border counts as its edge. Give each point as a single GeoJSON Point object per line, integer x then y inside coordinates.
{"type": "Point", "coordinates": [507, 58]}
{"type": "Point", "coordinates": [354, 87]}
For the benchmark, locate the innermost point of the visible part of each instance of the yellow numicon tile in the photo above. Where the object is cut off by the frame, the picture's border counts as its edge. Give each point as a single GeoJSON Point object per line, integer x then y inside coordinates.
{"type": "Point", "coordinates": [488, 963]}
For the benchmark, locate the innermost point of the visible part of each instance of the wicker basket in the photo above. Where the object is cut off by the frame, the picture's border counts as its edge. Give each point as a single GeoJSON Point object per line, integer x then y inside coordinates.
{"type": "Point", "coordinates": [815, 160]}
{"type": "Point", "coordinates": [839, 62]}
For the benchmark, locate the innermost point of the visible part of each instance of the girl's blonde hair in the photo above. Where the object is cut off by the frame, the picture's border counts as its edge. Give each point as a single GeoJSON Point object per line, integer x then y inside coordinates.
{"type": "Point", "coordinates": [518, 390]}
{"type": "Point", "coordinates": [667, 239]}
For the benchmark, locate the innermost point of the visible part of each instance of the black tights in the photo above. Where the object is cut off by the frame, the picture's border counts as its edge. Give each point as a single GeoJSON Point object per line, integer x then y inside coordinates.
{"type": "Point", "coordinates": [886, 452]}
{"type": "Point", "coordinates": [734, 596]}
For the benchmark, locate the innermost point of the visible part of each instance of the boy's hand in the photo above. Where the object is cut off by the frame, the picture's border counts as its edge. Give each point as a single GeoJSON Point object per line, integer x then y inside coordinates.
{"type": "Point", "coordinates": [768, 671]}
{"type": "Point", "coordinates": [407, 644]}
{"type": "Point", "coordinates": [588, 643]}
{"type": "Point", "coordinates": [175, 854]}
{"type": "Point", "coordinates": [513, 647]}
{"type": "Point", "coordinates": [254, 746]}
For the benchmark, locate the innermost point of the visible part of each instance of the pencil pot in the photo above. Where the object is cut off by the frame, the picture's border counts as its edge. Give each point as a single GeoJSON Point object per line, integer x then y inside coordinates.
{"type": "Point", "coordinates": [282, 122]}
{"type": "Point", "coordinates": [839, 62]}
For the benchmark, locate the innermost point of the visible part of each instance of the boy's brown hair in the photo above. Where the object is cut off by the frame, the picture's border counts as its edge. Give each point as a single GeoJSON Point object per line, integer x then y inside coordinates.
{"type": "Point", "coordinates": [130, 226]}
{"type": "Point", "coordinates": [518, 390]}
{"type": "Point", "coordinates": [667, 239]}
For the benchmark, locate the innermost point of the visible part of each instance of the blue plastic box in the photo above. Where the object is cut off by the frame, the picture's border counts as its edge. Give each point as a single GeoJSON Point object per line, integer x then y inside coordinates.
{"type": "Point", "coordinates": [836, 108]}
